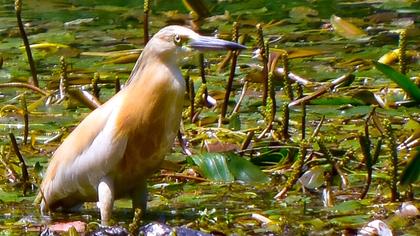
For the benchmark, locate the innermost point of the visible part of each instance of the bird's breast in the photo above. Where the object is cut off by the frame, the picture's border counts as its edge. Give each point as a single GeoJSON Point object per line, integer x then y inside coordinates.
{"type": "Point", "coordinates": [150, 120]}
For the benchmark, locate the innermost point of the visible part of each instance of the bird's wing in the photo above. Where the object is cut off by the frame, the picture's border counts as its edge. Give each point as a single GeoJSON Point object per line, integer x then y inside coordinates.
{"type": "Point", "coordinates": [86, 155]}
{"type": "Point", "coordinates": [136, 69]}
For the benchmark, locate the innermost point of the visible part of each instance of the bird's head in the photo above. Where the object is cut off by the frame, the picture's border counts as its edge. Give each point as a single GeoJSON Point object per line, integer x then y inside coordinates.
{"type": "Point", "coordinates": [173, 42]}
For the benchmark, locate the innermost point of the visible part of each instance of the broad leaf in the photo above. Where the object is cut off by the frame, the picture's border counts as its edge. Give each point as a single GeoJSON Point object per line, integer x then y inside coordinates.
{"type": "Point", "coordinates": [213, 166]}
{"type": "Point", "coordinates": [228, 167]}
{"type": "Point", "coordinates": [243, 169]}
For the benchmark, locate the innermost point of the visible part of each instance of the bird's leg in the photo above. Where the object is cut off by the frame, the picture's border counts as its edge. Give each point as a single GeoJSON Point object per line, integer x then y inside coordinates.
{"type": "Point", "coordinates": [139, 197]}
{"type": "Point", "coordinates": [105, 199]}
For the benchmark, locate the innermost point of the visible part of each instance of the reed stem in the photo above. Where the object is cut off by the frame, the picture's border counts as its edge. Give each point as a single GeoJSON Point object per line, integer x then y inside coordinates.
{"type": "Point", "coordinates": [232, 71]}
{"type": "Point", "coordinates": [146, 10]}
{"type": "Point", "coordinates": [18, 10]}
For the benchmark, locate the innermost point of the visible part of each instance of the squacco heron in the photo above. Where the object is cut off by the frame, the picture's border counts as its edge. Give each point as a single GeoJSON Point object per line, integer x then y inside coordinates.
{"type": "Point", "coordinates": [116, 147]}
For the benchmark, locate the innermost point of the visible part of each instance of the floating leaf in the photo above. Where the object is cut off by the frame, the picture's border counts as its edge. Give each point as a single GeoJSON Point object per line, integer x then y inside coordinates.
{"type": "Point", "coordinates": [130, 58]}
{"type": "Point", "coordinates": [345, 28]}
{"type": "Point", "coordinates": [350, 220]}
{"type": "Point", "coordinates": [78, 22]}
{"type": "Point", "coordinates": [254, 76]}
{"type": "Point", "coordinates": [303, 52]}
{"type": "Point", "coordinates": [194, 199]}
{"type": "Point", "coordinates": [299, 52]}
{"type": "Point", "coordinates": [244, 170]}
{"type": "Point", "coordinates": [403, 81]}
{"type": "Point", "coordinates": [303, 13]}
{"type": "Point", "coordinates": [13, 197]}
{"type": "Point", "coordinates": [413, 126]}
{"type": "Point", "coordinates": [114, 54]}
{"type": "Point", "coordinates": [55, 48]}
{"type": "Point", "coordinates": [47, 46]}
{"type": "Point", "coordinates": [347, 207]}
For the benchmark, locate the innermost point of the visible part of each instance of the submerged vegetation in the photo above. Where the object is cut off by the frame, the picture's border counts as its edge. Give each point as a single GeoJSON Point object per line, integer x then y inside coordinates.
{"type": "Point", "coordinates": [315, 129]}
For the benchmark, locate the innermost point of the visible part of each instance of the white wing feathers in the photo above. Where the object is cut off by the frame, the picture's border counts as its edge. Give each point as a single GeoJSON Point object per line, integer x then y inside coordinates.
{"type": "Point", "coordinates": [79, 169]}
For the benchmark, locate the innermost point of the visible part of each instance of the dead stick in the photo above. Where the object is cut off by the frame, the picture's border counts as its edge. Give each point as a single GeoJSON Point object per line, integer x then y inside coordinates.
{"type": "Point", "coordinates": [25, 119]}
{"type": "Point", "coordinates": [117, 84]}
{"type": "Point", "coordinates": [25, 175]}
{"type": "Point", "coordinates": [232, 72]}
{"type": "Point", "coordinates": [322, 90]}
{"type": "Point", "coordinates": [18, 9]}
{"type": "Point", "coordinates": [318, 127]}
{"type": "Point", "coordinates": [24, 85]}
{"type": "Point", "coordinates": [203, 76]}
{"type": "Point", "coordinates": [238, 104]}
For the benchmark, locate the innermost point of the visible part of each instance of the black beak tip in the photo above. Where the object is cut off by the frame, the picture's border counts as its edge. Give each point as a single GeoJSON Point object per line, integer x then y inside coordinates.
{"type": "Point", "coordinates": [237, 46]}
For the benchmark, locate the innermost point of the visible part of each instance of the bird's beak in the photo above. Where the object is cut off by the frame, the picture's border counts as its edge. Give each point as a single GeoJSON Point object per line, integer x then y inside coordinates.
{"type": "Point", "coordinates": [204, 43]}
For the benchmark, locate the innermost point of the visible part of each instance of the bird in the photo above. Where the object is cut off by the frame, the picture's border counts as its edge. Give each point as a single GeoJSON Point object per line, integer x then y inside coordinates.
{"type": "Point", "coordinates": [113, 150]}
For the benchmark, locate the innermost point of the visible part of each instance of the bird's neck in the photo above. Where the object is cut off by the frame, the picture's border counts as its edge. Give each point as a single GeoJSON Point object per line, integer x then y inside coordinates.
{"type": "Point", "coordinates": [149, 59]}
{"type": "Point", "coordinates": [153, 99]}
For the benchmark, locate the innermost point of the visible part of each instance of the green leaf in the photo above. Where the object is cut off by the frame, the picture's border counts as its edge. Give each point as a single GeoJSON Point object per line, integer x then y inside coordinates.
{"type": "Point", "coordinates": [271, 157]}
{"type": "Point", "coordinates": [213, 166]}
{"type": "Point", "coordinates": [352, 220]}
{"type": "Point", "coordinates": [403, 81]}
{"type": "Point", "coordinates": [411, 172]}
{"type": "Point", "coordinates": [345, 28]}
{"type": "Point", "coordinates": [228, 167]}
{"type": "Point", "coordinates": [244, 170]}
{"type": "Point", "coordinates": [350, 206]}
{"type": "Point", "coordinates": [13, 197]}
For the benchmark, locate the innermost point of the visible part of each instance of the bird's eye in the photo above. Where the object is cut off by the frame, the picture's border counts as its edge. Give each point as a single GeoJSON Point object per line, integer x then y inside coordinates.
{"type": "Point", "coordinates": [178, 40]}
